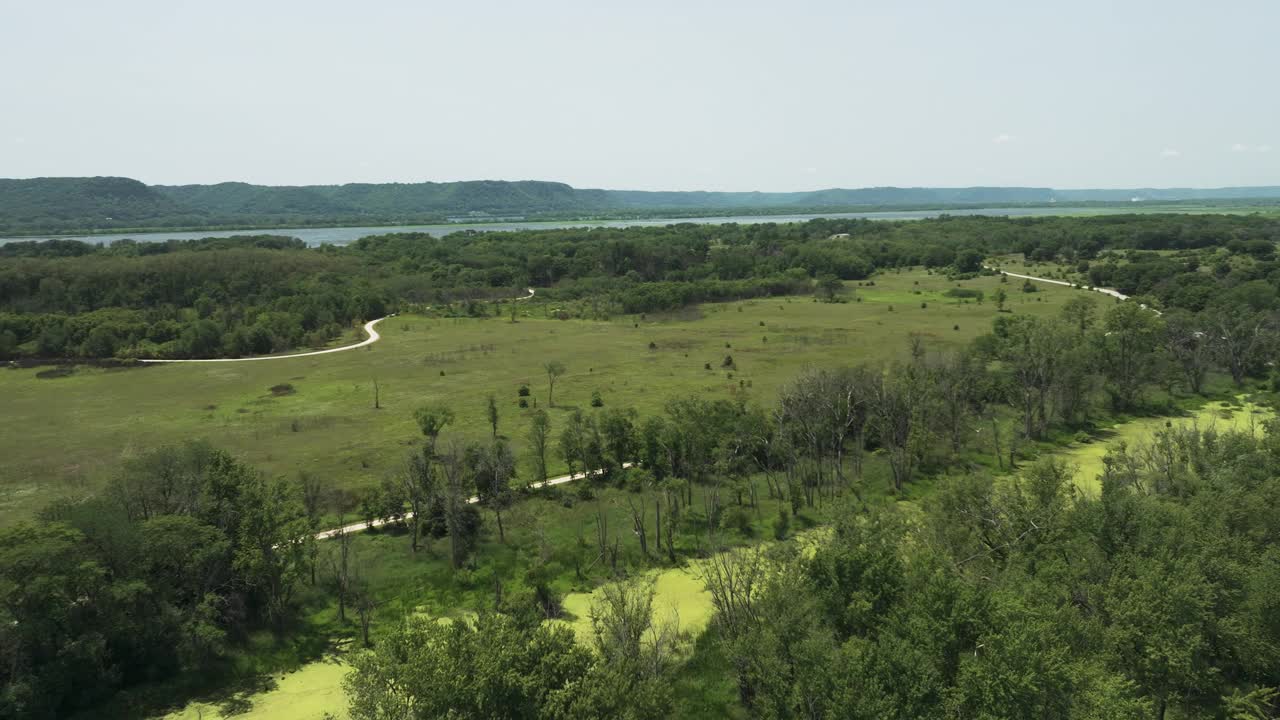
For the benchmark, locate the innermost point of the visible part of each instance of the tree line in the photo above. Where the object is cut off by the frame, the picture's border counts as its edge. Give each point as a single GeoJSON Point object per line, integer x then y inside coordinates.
{"type": "Point", "coordinates": [230, 297]}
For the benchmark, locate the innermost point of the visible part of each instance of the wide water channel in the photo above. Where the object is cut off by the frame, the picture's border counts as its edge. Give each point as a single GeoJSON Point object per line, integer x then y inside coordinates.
{"type": "Point", "coordinates": [345, 235]}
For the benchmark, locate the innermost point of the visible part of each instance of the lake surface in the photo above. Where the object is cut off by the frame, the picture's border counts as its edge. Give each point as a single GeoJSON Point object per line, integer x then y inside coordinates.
{"type": "Point", "coordinates": [345, 235]}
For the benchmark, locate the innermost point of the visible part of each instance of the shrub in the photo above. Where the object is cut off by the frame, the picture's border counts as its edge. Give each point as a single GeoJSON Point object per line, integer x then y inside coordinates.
{"type": "Point", "coordinates": [523, 391]}
{"type": "Point", "coordinates": [524, 402]}
{"type": "Point", "coordinates": [737, 519]}
{"type": "Point", "coordinates": [596, 401]}
{"type": "Point", "coordinates": [728, 362]}
{"type": "Point", "coordinates": [653, 345]}
{"type": "Point", "coordinates": [283, 389]}
{"type": "Point", "coordinates": [782, 525]}
{"type": "Point", "coordinates": [57, 372]}
{"type": "Point", "coordinates": [965, 293]}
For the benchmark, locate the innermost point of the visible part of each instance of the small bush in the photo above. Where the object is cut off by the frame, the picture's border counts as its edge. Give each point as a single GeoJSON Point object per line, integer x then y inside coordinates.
{"type": "Point", "coordinates": [283, 389]}
{"type": "Point", "coordinates": [57, 372]}
{"type": "Point", "coordinates": [728, 362]}
{"type": "Point", "coordinates": [653, 345]}
{"type": "Point", "coordinates": [524, 402]}
{"type": "Point", "coordinates": [523, 391]}
{"type": "Point", "coordinates": [737, 519]}
{"type": "Point", "coordinates": [782, 526]}
{"type": "Point", "coordinates": [706, 366]}
{"type": "Point", "coordinates": [924, 305]}
{"type": "Point", "coordinates": [596, 401]}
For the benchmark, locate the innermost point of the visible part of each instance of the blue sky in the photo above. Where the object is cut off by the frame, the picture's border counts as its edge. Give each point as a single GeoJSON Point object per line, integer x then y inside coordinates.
{"type": "Point", "coordinates": [654, 95]}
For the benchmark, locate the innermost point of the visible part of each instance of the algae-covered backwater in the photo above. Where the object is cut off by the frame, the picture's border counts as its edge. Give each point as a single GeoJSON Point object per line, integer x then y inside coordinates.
{"type": "Point", "coordinates": [1219, 416]}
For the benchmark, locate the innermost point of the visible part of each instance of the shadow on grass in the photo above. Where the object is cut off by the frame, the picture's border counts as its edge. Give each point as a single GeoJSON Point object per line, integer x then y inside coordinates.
{"type": "Point", "coordinates": [253, 667]}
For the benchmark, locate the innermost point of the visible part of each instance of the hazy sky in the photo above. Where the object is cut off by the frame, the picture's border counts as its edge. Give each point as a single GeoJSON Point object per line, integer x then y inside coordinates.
{"type": "Point", "coordinates": [726, 95]}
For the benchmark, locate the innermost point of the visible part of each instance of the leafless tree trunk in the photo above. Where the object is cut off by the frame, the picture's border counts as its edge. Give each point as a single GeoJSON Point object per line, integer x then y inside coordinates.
{"type": "Point", "coordinates": [638, 523]}
{"type": "Point", "coordinates": [340, 566]}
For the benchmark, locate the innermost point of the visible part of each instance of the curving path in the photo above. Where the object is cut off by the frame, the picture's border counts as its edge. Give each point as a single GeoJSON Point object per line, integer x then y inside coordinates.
{"type": "Point", "coordinates": [1105, 291]}
{"type": "Point", "coordinates": [368, 328]}
{"type": "Point", "coordinates": [362, 525]}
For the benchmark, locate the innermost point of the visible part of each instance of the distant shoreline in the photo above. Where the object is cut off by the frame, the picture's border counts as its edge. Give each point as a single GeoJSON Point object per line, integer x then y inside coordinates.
{"type": "Point", "coordinates": [1258, 205]}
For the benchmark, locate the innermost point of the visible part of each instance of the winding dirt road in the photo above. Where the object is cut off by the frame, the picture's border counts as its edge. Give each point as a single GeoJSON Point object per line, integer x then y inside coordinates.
{"type": "Point", "coordinates": [362, 526]}
{"type": "Point", "coordinates": [1105, 291]}
{"type": "Point", "coordinates": [368, 329]}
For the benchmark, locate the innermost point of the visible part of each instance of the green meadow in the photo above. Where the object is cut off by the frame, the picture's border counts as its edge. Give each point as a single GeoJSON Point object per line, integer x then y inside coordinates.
{"type": "Point", "coordinates": [66, 435]}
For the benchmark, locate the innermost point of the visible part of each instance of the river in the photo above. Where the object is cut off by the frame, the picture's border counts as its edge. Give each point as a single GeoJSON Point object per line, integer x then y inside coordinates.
{"type": "Point", "coordinates": [346, 235]}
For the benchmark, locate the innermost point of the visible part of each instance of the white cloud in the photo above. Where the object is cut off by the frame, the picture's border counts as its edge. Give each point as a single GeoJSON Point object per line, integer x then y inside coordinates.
{"type": "Point", "coordinates": [1002, 138]}
{"type": "Point", "coordinates": [1169, 153]}
{"type": "Point", "coordinates": [1241, 147]}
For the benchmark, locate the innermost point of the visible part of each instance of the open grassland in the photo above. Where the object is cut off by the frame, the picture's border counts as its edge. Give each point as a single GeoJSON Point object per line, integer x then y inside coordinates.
{"type": "Point", "coordinates": [66, 435]}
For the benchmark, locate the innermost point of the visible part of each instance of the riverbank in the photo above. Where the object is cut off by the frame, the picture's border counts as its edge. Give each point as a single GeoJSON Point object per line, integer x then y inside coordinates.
{"type": "Point", "coordinates": [322, 234]}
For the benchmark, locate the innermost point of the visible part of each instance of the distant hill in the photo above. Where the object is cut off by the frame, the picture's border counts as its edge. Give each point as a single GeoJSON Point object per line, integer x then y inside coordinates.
{"type": "Point", "coordinates": [74, 205]}
{"type": "Point", "coordinates": [72, 201]}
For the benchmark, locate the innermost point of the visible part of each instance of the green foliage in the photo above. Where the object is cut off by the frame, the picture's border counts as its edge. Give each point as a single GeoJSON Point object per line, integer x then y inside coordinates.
{"type": "Point", "coordinates": [188, 551]}
{"type": "Point", "coordinates": [1018, 598]}
{"type": "Point", "coordinates": [491, 667]}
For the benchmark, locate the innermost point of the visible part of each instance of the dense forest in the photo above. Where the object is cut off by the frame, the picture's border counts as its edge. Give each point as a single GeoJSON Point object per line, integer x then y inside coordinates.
{"type": "Point", "coordinates": [78, 205]}
{"type": "Point", "coordinates": [249, 295]}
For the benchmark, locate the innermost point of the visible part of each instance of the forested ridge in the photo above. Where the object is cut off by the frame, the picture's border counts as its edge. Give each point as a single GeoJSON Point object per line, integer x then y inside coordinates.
{"type": "Point", "coordinates": [232, 297]}
{"type": "Point", "coordinates": [71, 205]}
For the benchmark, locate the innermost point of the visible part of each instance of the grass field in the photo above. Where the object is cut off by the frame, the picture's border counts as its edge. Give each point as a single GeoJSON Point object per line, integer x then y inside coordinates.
{"type": "Point", "coordinates": [67, 435]}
